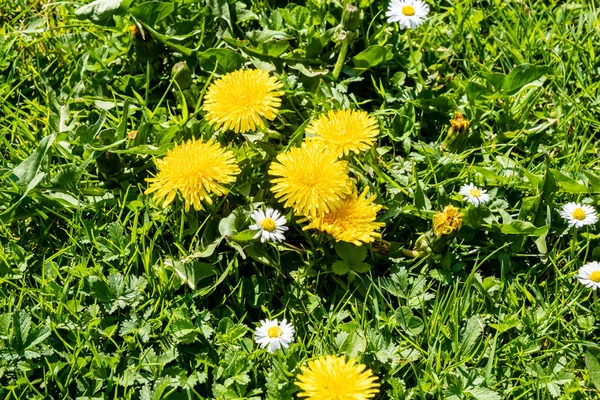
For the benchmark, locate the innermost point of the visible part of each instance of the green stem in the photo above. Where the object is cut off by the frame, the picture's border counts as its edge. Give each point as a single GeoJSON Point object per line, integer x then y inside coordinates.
{"type": "Point", "coordinates": [412, 57]}
{"type": "Point", "coordinates": [341, 59]}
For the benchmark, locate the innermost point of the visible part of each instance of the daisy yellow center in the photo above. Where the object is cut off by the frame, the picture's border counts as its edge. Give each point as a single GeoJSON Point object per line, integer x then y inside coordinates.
{"type": "Point", "coordinates": [474, 192]}
{"type": "Point", "coordinates": [409, 11]}
{"type": "Point", "coordinates": [579, 214]}
{"type": "Point", "coordinates": [274, 331]}
{"type": "Point", "coordinates": [595, 276]}
{"type": "Point", "coordinates": [269, 225]}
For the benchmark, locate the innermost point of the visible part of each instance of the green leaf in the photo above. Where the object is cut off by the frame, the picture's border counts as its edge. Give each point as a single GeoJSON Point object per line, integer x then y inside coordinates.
{"type": "Point", "coordinates": [99, 11]}
{"type": "Point", "coordinates": [372, 56]}
{"type": "Point", "coordinates": [521, 76]}
{"type": "Point", "coordinates": [190, 272]}
{"type": "Point", "coordinates": [340, 267]}
{"type": "Point", "coordinates": [152, 11]}
{"type": "Point", "coordinates": [26, 173]}
{"type": "Point", "coordinates": [227, 60]}
{"type": "Point", "coordinates": [407, 321]}
{"type": "Point", "coordinates": [350, 253]}
{"type": "Point", "coordinates": [21, 327]}
{"type": "Point", "coordinates": [567, 183]}
{"type": "Point", "coordinates": [481, 393]}
{"type": "Point", "coordinates": [594, 181]}
{"type": "Point", "coordinates": [592, 362]}
{"type": "Point", "coordinates": [517, 227]}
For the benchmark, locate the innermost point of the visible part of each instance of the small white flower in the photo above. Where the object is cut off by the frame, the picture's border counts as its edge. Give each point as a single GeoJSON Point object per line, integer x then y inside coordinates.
{"type": "Point", "coordinates": [407, 13]}
{"type": "Point", "coordinates": [274, 335]}
{"type": "Point", "coordinates": [579, 215]}
{"type": "Point", "coordinates": [270, 225]}
{"type": "Point", "coordinates": [474, 195]}
{"type": "Point", "coordinates": [589, 275]}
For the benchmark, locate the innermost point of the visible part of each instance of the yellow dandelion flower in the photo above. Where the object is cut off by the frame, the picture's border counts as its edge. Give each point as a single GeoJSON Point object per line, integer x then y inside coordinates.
{"type": "Point", "coordinates": [194, 169]}
{"type": "Point", "coordinates": [310, 179]}
{"type": "Point", "coordinates": [332, 377]}
{"type": "Point", "coordinates": [447, 221]}
{"type": "Point", "coordinates": [345, 131]}
{"type": "Point", "coordinates": [353, 222]}
{"type": "Point", "coordinates": [241, 99]}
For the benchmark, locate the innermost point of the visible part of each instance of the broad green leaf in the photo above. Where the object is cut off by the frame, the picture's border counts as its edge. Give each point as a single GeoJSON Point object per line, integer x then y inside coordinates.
{"type": "Point", "coordinates": [567, 183]}
{"type": "Point", "coordinates": [190, 272]}
{"type": "Point", "coordinates": [340, 267]}
{"type": "Point", "coordinates": [99, 11]}
{"type": "Point", "coordinates": [350, 253]}
{"type": "Point", "coordinates": [408, 322]}
{"type": "Point", "coordinates": [521, 76]}
{"type": "Point", "coordinates": [227, 60]}
{"type": "Point", "coordinates": [594, 181]}
{"type": "Point", "coordinates": [21, 326]}
{"type": "Point", "coordinates": [517, 227]}
{"type": "Point", "coordinates": [152, 11]}
{"type": "Point", "coordinates": [471, 335]}
{"type": "Point", "coordinates": [372, 56]}
{"type": "Point", "coordinates": [592, 362]}
{"type": "Point", "coordinates": [481, 393]}
{"type": "Point", "coordinates": [26, 173]}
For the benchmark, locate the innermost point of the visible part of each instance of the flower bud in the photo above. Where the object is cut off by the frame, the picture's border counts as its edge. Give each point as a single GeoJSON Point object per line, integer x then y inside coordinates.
{"type": "Point", "coordinates": [182, 75]}
{"type": "Point", "coordinates": [350, 17]}
{"type": "Point", "coordinates": [458, 134]}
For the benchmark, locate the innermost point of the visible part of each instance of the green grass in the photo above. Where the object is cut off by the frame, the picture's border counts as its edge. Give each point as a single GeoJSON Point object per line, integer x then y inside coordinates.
{"type": "Point", "coordinates": [91, 301]}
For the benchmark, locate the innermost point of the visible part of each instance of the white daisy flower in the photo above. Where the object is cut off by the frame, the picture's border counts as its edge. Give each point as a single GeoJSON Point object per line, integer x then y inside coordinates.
{"type": "Point", "coordinates": [274, 335]}
{"type": "Point", "coordinates": [474, 195]}
{"type": "Point", "coordinates": [407, 13]}
{"type": "Point", "coordinates": [579, 215]}
{"type": "Point", "coordinates": [270, 225]}
{"type": "Point", "coordinates": [589, 275]}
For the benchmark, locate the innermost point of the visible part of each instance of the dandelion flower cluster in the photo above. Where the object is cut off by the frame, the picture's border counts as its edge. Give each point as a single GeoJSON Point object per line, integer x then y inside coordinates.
{"type": "Point", "coordinates": [241, 99]}
{"type": "Point", "coordinates": [194, 169]}
{"type": "Point", "coordinates": [407, 13]}
{"type": "Point", "coordinates": [353, 221]}
{"type": "Point", "coordinates": [579, 215]}
{"type": "Point", "coordinates": [474, 195]}
{"type": "Point", "coordinates": [447, 221]}
{"type": "Point", "coordinates": [274, 335]}
{"type": "Point", "coordinates": [332, 377]}
{"type": "Point", "coordinates": [345, 131]}
{"type": "Point", "coordinates": [270, 225]}
{"type": "Point", "coordinates": [310, 179]}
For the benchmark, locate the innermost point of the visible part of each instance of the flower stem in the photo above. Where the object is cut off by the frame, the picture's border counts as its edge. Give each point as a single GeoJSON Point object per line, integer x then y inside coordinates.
{"type": "Point", "coordinates": [339, 64]}
{"type": "Point", "coordinates": [413, 59]}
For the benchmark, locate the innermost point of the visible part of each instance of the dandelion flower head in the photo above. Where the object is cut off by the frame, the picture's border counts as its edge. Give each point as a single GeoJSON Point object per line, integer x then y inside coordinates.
{"type": "Point", "coordinates": [353, 221]}
{"type": "Point", "coordinates": [242, 99]}
{"type": "Point", "coordinates": [270, 225]}
{"type": "Point", "coordinates": [447, 221]}
{"type": "Point", "coordinates": [332, 377]}
{"type": "Point", "coordinates": [274, 335]}
{"type": "Point", "coordinates": [579, 215]}
{"type": "Point", "coordinates": [345, 131]}
{"type": "Point", "coordinates": [310, 179]}
{"type": "Point", "coordinates": [407, 13]}
{"type": "Point", "coordinates": [194, 170]}
{"type": "Point", "coordinates": [589, 275]}
{"type": "Point", "coordinates": [474, 195]}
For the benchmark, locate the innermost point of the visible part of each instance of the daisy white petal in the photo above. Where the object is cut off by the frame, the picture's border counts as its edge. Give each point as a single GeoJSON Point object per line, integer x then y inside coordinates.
{"type": "Point", "coordinates": [407, 13]}
{"type": "Point", "coordinates": [270, 225]}
{"type": "Point", "coordinates": [273, 335]}
{"type": "Point", "coordinates": [474, 195]}
{"type": "Point", "coordinates": [579, 215]}
{"type": "Point", "coordinates": [589, 275]}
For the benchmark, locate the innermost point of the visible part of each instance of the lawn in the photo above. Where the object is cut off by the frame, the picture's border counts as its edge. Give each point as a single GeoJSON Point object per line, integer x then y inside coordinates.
{"type": "Point", "coordinates": [263, 199]}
